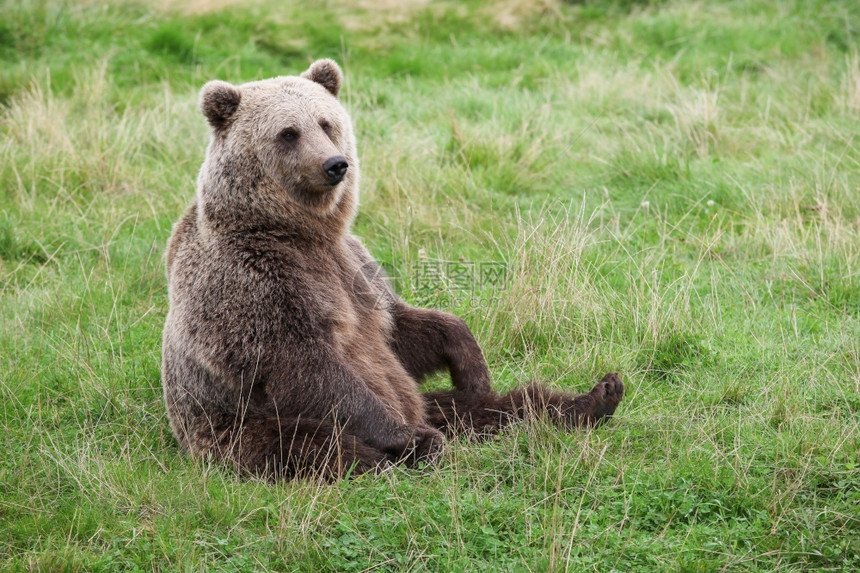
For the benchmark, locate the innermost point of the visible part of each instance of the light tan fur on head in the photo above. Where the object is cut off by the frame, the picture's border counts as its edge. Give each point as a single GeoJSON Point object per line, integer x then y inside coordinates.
{"type": "Point", "coordinates": [271, 141]}
{"type": "Point", "coordinates": [326, 73]}
{"type": "Point", "coordinates": [218, 102]}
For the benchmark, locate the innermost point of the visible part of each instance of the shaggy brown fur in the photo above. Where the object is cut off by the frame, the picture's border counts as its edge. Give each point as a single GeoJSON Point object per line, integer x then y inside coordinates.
{"type": "Point", "coordinates": [285, 351]}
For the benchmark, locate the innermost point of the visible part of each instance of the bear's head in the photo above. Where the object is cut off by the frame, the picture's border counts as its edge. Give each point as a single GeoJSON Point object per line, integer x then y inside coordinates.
{"type": "Point", "coordinates": [282, 152]}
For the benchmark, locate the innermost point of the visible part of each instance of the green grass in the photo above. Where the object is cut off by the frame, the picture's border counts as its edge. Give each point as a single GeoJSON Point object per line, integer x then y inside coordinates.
{"type": "Point", "coordinates": [672, 187]}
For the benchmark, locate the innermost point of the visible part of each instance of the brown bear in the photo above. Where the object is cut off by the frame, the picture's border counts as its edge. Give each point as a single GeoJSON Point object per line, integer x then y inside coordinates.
{"type": "Point", "coordinates": [285, 351]}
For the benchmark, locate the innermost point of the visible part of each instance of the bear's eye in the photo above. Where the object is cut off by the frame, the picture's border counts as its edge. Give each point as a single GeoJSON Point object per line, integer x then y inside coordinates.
{"type": "Point", "coordinates": [289, 135]}
{"type": "Point", "coordinates": [326, 127]}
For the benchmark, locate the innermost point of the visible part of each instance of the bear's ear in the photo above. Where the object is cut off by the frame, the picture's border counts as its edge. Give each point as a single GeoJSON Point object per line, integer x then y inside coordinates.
{"type": "Point", "coordinates": [326, 73]}
{"type": "Point", "coordinates": [218, 102]}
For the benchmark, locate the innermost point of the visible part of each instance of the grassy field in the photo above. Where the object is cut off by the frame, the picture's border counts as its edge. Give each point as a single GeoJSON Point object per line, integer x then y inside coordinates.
{"type": "Point", "coordinates": [669, 189]}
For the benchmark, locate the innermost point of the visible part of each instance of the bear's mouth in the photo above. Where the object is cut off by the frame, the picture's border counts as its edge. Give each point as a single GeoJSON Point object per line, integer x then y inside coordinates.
{"type": "Point", "coordinates": [317, 195]}
{"type": "Point", "coordinates": [316, 186]}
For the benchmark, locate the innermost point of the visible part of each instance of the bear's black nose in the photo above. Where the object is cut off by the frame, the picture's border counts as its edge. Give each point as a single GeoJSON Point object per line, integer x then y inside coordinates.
{"type": "Point", "coordinates": [335, 168]}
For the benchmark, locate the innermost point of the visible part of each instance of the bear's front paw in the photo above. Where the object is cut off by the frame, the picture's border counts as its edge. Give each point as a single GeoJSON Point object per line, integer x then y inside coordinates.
{"type": "Point", "coordinates": [426, 444]}
{"type": "Point", "coordinates": [421, 444]}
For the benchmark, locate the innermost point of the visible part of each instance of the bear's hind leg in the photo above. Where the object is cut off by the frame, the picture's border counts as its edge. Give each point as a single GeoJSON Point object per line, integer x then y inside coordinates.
{"type": "Point", "coordinates": [278, 448]}
{"type": "Point", "coordinates": [587, 409]}
{"type": "Point", "coordinates": [454, 413]}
